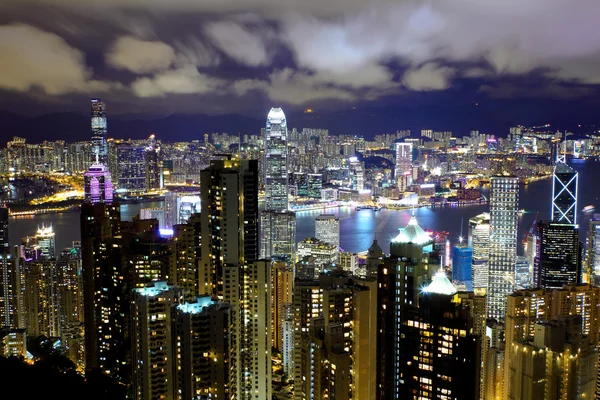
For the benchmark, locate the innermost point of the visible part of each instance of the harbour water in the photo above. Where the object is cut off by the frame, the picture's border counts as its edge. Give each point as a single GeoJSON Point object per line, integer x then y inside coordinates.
{"type": "Point", "coordinates": [359, 228]}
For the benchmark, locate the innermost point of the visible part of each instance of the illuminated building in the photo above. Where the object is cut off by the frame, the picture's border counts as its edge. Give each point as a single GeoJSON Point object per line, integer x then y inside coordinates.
{"type": "Point", "coordinates": [400, 279]}
{"type": "Point", "coordinates": [98, 187]}
{"type": "Point", "coordinates": [479, 241]}
{"type": "Point", "coordinates": [327, 229]}
{"type": "Point", "coordinates": [147, 255]}
{"type": "Point", "coordinates": [154, 213]}
{"type": "Point", "coordinates": [564, 194]}
{"type": "Point", "coordinates": [105, 305]}
{"type": "Point", "coordinates": [179, 207]}
{"type": "Point", "coordinates": [403, 163]}
{"type": "Point", "coordinates": [348, 261]}
{"type": "Point", "coordinates": [152, 165]}
{"type": "Point", "coordinates": [281, 300]}
{"type": "Point", "coordinates": [357, 174]}
{"type": "Point", "coordinates": [4, 248]}
{"type": "Point", "coordinates": [314, 186]}
{"type": "Point", "coordinates": [504, 199]}
{"type": "Point", "coordinates": [335, 335]}
{"type": "Point", "coordinates": [129, 170]}
{"type": "Point", "coordinates": [558, 257]}
{"type": "Point", "coordinates": [11, 298]}
{"type": "Point", "coordinates": [278, 235]}
{"type": "Point", "coordinates": [185, 249]}
{"type": "Point", "coordinates": [323, 253]}
{"type": "Point", "coordinates": [152, 347]}
{"type": "Point", "coordinates": [440, 356]}
{"type": "Point", "coordinates": [44, 238]}
{"type": "Point", "coordinates": [593, 246]}
{"type": "Point", "coordinates": [13, 343]}
{"type": "Point", "coordinates": [202, 343]}
{"type": "Point", "coordinates": [523, 273]}
{"type": "Point", "coordinates": [99, 129]}
{"type": "Point", "coordinates": [557, 364]}
{"type": "Point", "coordinates": [276, 165]}
{"type": "Point", "coordinates": [462, 262]}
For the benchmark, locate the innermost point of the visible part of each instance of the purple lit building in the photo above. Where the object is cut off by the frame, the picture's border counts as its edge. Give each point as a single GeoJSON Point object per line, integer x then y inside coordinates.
{"type": "Point", "coordinates": [98, 185]}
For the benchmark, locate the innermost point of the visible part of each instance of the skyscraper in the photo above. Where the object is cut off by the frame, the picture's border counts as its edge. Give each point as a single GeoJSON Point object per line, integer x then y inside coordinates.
{"type": "Point", "coordinates": [462, 264]}
{"type": "Point", "coordinates": [98, 187]}
{"type": "Point", "coordinates": [479, 241]}
{"type": "Point", "coordinates": [403, 165]}
{"type": "Point", "coordinates": [152, 351]}
{"type": "Point", "coordinates": [441, 352]}
{"type": "Point", "coordinates": [593, 246]}
{"type": "Point", "coordinates": [45, 241]}
{"type": "Point", "coordinates": [504, 200]}
{"type": "Point", "coordinates": [276, 172]}
{"type": "Point", "coordinates": [98, 125]}
{"type": "Point", "coordinates": [105, 305]}
{"type": "Point", "coordinates": [564, 194]}
{"type": "Point", "coordinates": [278, 235]}
{"type": "Point", "coordinates": [558, 258]}
{"type": "Point", "coordinates": [4, 248]}
{"type": "Point", "coordinates": [327, 229]}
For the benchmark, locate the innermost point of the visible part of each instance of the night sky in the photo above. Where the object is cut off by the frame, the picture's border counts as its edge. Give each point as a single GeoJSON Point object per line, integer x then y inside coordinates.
{"type": "Point", "coordinates": [157, 57]}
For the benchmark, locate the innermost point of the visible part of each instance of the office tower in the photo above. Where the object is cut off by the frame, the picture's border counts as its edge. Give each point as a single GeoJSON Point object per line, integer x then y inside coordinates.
{"type": "Point", "coordinates": [98, 187]}
{"type": "Point", "coordinates": [152, 346]}
{"type": "Point", "coordinates": [462, 263]}
{"type": "Point", "coordinates": [400, 279]}
{"type": "Point", "coordinates": [98, 125]}
{"type": "Point", "coordinates": [105, 303]}
{"type": "Point", "coordinates": [335, 335]}
{"type": "Point", "coordinates": [324, 254]}
{"type": "Point", "coordinates": [593, 246]}
{"type": "Point", "coordinates": [504, 200]}
{"type": "Point", "coordinates": [479, 241]}
{"type": "Point", "coordinates": [278, 235]}
{"type": "Point", "coordinates": [314, 186]}
{"type": "Point", "coordinates": [523, 273]}
{"type": "Point", "coordinates": [440, 355]}
{"type": "Point", "coordinates": [44, 238]}
{"type": "Point", "coordinates": [558, 260]}
{"type": "Point", "coordinates": [152, 165]}
{"type": "Point", "coordinates": [229, 221]}
{"type": "Point", "coordinates": [403, 159]}
{"type": "Point", "coordinates": [4, 247]}
{"type": "Point", "coordinates": [558, 364]}
{"type": "Point", "coordinates": [357, 174]}
{"type": "Point", "coordinates": [129, 171]}
{"type": "Point", "coordinates": [11, 296]}
{"type": "Point", "coordinates": [327, 229]}
{"type": "Point", "coordinates": [564, 194]}
{"type": "Point", "coordinates": [281, 300]}
{"type": "Point", "coordinates": [202, 349]}
{"type": "Point", "coordinates": [276, 165]}
{"type": "Point", "coordinates": [147, 255]}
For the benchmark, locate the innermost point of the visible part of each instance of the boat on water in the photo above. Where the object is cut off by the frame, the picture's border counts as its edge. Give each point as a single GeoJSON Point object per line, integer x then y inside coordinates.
{"type": "Point", "coordinates": [374, 208]}
{"type": "Point", "coordinates": [589, 208]}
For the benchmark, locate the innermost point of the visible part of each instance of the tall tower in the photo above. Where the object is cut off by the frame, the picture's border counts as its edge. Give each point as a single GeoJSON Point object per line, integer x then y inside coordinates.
{"type": "Point", "coordinates": [564, 194]}
{"type": "Point", "coordinates": [4, 248]}
{"type": "Point", "coordinates": [276, 172]}
{"type": "Point", "coordinates": [152, 351]}
{"type": "Point", "coordinates": [593, 246]}
{"type": "Point", "coordinates": [105, 306]}
{"type": "Point", "coordinates": [558, 259]}
{"type": "Point", "coordinates": [98, 125]}
{"type": "Point", "coordinates": [98, 187]}
{"type": "Point", "coordinates": [327, 229]}
{"type": "Point", "coordinates": [403, 164]}
{"type": "Point", "coordinates": [504, 200]}
{"type": "Point", "coordinates": [479, 241]}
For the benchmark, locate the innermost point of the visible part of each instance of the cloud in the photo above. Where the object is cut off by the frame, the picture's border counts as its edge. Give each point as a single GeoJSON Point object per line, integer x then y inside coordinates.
{"type": "Point", "coordinates": [185, 80]}
{"type": "Point", "coordinates": [140, 56]}
{"type": "Point", "coordinates": [244, 45]}
{"type": "Point", "coordinates": [428, 77]}
{"type": "Point", "coordinates": [35, 59]}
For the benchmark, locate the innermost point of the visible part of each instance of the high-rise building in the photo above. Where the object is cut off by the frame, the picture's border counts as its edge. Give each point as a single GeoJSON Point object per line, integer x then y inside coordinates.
{"type": "Point", "coordinates": [4, 247]}
{"type": "Point", "coordinates": [105, 304]}
{"type": "Point", "coordinates": [462, 264]}
{"type": "Point", "coordinates": [403, 159]}
{"type": "Point", "coordinates": [185, 256]}
{"type": "Point", "coordinates": [558, 363]}
{"type": "Point", "coordinates": [593, 246]}
{"type": "Point", "coordinates": [276, 165]}
{"type": "Point", "coordinates": [504, 200]}
{"type": "Point", "coordinates": [278, 235]}
{"type": "Point", "coordinates": [357, 174]}
{"type": "Point", "coordinates": [152, 351]}
{"type": "Point", "coordinates": [441, 353]}
{"type": "Point", "coordinates": [129, 171]}
{"type": "Point", "coordinates": [202, 343]}
{"type": "Point", "coordinates": [281, 300]}
{"type": "Point", "coordinates": [327, 229]}
{"type": "Point", "coordinates": [45, 241]}
{"type": "Point", "coordinates": [479, 241]}
{"type": "Point", "coordinates": [98, 187]}
{"type": "Point", "coordinates": [564, 194]}
{"type": "Point", "coordinates": [558, 257]}
{"type": "Point", "coordinates": [11, 296]}
{"type": "Point", "coordinates": [229, 222]}
{"type": "Point", "coordinates": [99, 129]}
{"type": "Point", "coordinates": [314, 186]}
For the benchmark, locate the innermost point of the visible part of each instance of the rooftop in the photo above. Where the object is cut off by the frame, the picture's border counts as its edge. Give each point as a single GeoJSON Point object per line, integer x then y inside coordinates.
{"type": "Point", "coordinates": [412, 233]}
{"type": "Point", "coordinates": [440, 285]}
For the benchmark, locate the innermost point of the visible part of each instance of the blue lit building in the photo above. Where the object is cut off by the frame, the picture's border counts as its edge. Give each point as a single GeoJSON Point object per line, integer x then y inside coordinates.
{"type": "Point", "coordinates": [462, 265]}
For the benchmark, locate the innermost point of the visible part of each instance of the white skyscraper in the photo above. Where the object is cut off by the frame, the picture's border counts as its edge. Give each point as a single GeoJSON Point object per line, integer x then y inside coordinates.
{"type": "Point", "coordinates": [403, 164]}
{"type": "Point", "coordinates": [504, 200]}
{"type": "Point", "coordinates": [276, 172]}
{"type": "Point", "coordinates": [479, 241]}
{"type": "Point", "coordinates": [327, 229]}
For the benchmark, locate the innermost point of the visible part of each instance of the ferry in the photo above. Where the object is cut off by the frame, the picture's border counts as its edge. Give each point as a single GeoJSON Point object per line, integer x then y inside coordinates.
{"type": "Point", "coordinates": [589, 208]}
{"type": "Point", "coordinates": [374, 208]}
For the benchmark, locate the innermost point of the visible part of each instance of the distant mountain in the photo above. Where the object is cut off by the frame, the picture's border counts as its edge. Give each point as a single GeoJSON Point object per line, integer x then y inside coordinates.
{"type": "Point", "coordinates": [494, 118]}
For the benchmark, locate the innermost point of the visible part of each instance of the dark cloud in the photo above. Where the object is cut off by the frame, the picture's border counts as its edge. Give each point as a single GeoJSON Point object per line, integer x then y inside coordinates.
{"type": "Point", "coordinates": [299, 52]}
